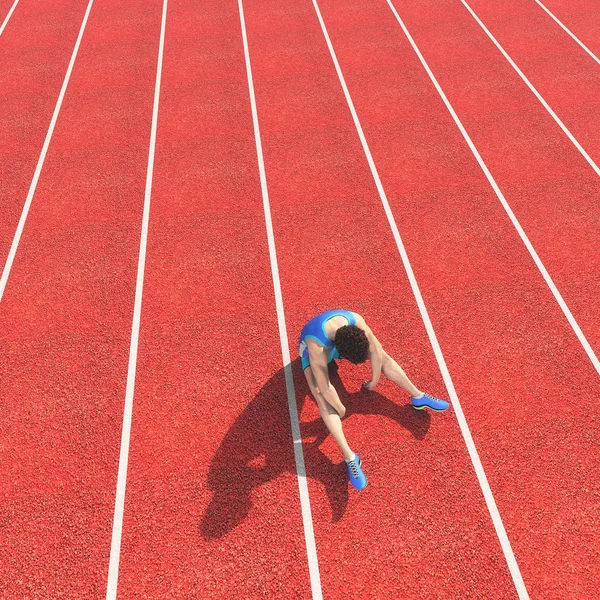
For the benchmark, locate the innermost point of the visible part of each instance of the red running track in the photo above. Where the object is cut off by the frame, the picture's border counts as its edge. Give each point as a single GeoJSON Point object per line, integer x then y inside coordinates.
{"type": "Point", "coordinates": [5, 6]}
{"type": "Point", "coordinates": [220, 516]}
{"type": "Point", "coordinates": [212, 504]}
{"type": "Point", "coordinates": [562, 72]}
{"type": "Point", "coordinates": [212, 507]}
{"type": "Point", "coordinates": [548, 182]}
{"type": "Point", "coordinates": [335, 248]}
{"type": "Point", "coordinates": [514, 358]}
{"type": "Point", "coordinates": [66, 317]}
{"type": "Point", "coordinates": [35, 50]}
{"type": "Point", "coordinates": [581, 17]}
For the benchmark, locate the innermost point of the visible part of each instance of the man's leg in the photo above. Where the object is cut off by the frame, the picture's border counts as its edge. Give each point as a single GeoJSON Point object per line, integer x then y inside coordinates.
{"type": "Point", "coordinates": [392, 370]}
{"type": "Point", "coordinates": [329, 415]}
{"type": "Point", "coordinates": [419, 400]}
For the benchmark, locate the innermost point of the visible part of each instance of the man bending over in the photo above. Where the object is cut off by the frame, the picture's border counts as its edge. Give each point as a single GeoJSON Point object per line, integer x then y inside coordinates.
{"type": "Point", "coordinates": [343, 334]}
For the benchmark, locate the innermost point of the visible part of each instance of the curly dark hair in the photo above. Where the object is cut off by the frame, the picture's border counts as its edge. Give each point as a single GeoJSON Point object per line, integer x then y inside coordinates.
{"type": "Point", "coordinates": [352, 343]}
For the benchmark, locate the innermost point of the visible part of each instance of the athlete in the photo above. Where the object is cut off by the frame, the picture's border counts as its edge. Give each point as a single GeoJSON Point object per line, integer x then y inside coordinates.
{"type": "Point", "coordinates": [337, 334]}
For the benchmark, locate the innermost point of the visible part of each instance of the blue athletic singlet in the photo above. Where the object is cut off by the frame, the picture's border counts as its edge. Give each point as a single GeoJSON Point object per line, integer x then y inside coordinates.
{"type": "Point", "coordinates": [315, 329]}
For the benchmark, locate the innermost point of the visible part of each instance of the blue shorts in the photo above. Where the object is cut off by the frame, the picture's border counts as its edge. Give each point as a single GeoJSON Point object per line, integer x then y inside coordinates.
{"type": "Point", "coordinates": [333, 354]}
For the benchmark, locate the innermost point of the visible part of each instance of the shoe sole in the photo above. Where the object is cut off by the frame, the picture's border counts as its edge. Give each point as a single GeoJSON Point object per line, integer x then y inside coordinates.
{"type": "Point", "coordinates": [429, 407]}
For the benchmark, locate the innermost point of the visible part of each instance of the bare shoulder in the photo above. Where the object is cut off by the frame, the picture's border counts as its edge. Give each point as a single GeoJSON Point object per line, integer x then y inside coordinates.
{"type": "Point", "coordinates": [360, 322]}
{"type": "Point", "coordinates": [316, 352]}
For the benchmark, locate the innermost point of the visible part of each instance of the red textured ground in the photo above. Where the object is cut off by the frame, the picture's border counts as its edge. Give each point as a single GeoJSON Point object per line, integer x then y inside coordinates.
{"type": "Point", "coordinates": [580, 16]}
{"type": "Point", "coordinates": [5, 6]}
{"type": "Point", "coordinates": [212, 505]}
{"type": "Point", "coordinates": [558, 180]}
{"type": "Point", "coordinates": [35, 50]}
{"type": "Point", "coordinates": [490, 306]}
{"type": "Point", "coordinates": [66, 316]}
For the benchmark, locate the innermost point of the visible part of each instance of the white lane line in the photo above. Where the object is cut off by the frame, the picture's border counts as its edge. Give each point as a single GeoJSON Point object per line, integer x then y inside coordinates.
{"type": "Point", "coordinates": [115, 547]}
{"type": "Point", "coordinates": [537, 94]}
{"type": "Point", "coordinates": [8, 16]}
{"type": "Point", "coordinates": [40, 163]}
{"type": "Point", "coordinates": [557, 295]}
{"type": "Point", "coordinates": [479, 471]}
{"type": "Point", "coordinates": [309, 536]}
{"type": "Point", "coordinates": [571, 34]}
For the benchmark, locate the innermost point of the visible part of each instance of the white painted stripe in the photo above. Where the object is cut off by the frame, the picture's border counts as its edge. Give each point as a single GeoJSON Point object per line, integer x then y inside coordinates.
{"type": "Point", "coordinates": [10, 12]}
{"type": "Point", "coordinates": [571, 34]}
{"type": "Point", "coordinates": [115, 547]}
{"type": "Point", "coordinates": [309, 536]}
{"type": "Point", "coordinates": [517, 225]}
{"type": "Point", "coordinates": [536, 93]}
{"type": "Point", "coordinates": [481, 476]}
{"type": "Point", "coordinates": [40, 163]}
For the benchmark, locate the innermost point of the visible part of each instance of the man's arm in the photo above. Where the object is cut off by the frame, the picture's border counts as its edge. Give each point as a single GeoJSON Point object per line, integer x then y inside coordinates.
{"type": "Point", "coordinates": [318, 364]}
{"type": "Point", "coordinates": [375, 355]}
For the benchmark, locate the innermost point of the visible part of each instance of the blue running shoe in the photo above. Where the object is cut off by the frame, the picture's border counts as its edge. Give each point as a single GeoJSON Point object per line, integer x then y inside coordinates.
{"type": "Point", "coordinates": [357, 477]}
{"type": "Point", "coordinates": [428, 401]}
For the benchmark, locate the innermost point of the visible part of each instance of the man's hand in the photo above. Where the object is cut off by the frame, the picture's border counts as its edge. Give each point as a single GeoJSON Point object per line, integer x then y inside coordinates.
{"type": "Point", "coordinates": [368, 386]}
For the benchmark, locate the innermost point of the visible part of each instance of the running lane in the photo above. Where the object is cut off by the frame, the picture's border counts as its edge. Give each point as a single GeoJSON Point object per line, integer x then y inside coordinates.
{"type": "Point", "coordinates": [547, 182]}
{"type": "Point", "coordinates": [66, 317]}
{"type": "Point", "coordinates": [515, 360]}
{"type": "Point", "coordinates": [562, 72]}
{"type": "Point", "coordinates": [35, 50]}
{"type": "Point", "coordinates": [212, 508]}
{"type": "Point", "coordinates": [581, 17]}
{"type": "Point", "coordinates": [5, 6]}
{"type": "Point", "coordinates": [421, 528]}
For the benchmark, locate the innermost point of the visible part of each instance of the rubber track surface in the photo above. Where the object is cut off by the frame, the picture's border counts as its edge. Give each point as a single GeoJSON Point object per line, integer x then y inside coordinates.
{"type": "Point", "coordinates": [551, 186]}
{"type": "Point", "coordinates": [581, 17]}
{"type": "Point", "coordinates": [212, 506]}
{"type": "Point", "coordinates": [515, 361]}
{"type": "Point", "coordinates": [66, 317]}
{"type": "Point", "coordinates": [35, 50]}
{"type": "Point", "coordinates": [5, 6]}
{"type": "Point", "coordinates": [335, 248]}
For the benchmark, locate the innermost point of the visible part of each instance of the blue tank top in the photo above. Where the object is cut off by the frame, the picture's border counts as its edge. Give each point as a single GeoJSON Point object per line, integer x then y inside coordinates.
{"type": "Point", "coordinates": [315, 329]}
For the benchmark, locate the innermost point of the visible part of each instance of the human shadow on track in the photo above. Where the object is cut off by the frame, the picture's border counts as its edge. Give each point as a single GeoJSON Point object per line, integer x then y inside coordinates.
{"type": "Point", "coordinates": [258, 448]}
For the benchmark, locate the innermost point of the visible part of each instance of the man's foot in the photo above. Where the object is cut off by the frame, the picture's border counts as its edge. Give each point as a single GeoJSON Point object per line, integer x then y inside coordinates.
{"type": "Point", "coordinates": [427, 401]}
{"type": "Point", "coordinates": [357, 477]}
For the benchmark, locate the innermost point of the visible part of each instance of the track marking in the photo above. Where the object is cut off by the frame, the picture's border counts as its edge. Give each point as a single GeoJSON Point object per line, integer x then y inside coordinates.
{"type": "Point", "coordinates": [115, 548]}
{"type": "Point", "coordinates": [40, 163]}
{"type": "Point", "coordinates": [557, 295]}
{"type": "Point", "coordinates": [571, 34]}
{"type": "Point", "coordinates": [464, 428]}
{"type": "Point", "coordinates": [537, 94]}
{"type": "Point", "coordinates": [8, 16]}
{"type": "Point", "coordinates": [309, 536]}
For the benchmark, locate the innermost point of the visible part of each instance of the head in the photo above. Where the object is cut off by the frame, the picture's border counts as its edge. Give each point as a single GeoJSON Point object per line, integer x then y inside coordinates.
{"type": "Point", "coordinates": [352, 343]}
